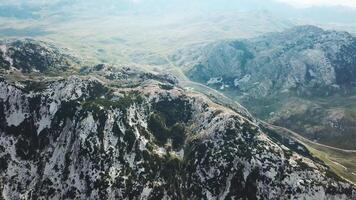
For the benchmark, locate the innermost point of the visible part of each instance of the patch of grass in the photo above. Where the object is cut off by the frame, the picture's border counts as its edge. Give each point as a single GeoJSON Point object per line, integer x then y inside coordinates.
{"type": "Point", "coordinates": [351, 111]}
{"type": "Point", "coordinates": [166, 86]}
{"type": "Point", "coordinates": [123, 103]}
{"type": "Point", "coordinates": [341, 163]}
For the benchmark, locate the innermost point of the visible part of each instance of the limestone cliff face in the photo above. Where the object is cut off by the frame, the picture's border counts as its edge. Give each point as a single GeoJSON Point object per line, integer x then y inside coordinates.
{"type": "Point", "coordinates": [291, 78]}
{"type": "Point", "coordinates": [306, 58]}
{"type": "Point", "coordinates": [108, 133]}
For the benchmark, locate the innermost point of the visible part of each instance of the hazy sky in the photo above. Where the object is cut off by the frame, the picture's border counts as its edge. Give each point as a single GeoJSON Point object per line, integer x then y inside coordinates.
{"type": "Point", "coordinates": [320, 11]}
{"type": "Point", "coordinates": [305, 3]}
{"type": "Point", "coordinates": [297, 3]}
{"type": "Point", "coordinates": [308, 3]}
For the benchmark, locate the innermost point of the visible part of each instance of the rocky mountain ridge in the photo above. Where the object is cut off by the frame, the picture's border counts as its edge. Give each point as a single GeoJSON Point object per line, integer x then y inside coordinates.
{"type": "Point", "coordinates": [108, 133]}
{"type": "Point", "coordinates": [29, 55]}
{"type": "Point", "coordinates": [305, 59]}
{"type": "Point", "coordinates": [302, 78]}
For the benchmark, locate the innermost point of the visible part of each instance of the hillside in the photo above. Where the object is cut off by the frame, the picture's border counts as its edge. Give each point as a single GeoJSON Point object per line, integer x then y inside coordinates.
{"type": "Point", "coordinates": [108, 132]}
{"type": "Point", "coordinates": [302, 78]}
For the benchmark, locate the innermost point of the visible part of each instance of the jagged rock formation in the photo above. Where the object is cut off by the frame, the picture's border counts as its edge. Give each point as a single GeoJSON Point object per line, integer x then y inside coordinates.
{"type": "Point", "coordinates": [288, 78]}
{"type": "Point", "coordinates": [305, 59]}
{"type": "Point", "coordinates": [85, 137]}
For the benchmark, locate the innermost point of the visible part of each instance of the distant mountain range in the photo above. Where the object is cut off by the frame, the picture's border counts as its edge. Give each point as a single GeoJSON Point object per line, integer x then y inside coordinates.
{"type": "Point", "coordinates": [290, 78]}
{"type": "Point", "coordinates": [302, 59]}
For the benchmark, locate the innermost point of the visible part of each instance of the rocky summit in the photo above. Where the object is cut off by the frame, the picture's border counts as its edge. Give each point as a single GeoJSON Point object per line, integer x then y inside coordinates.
{"type": "Point", "coordinates": [119, 133]}
{"type": "Point", "coordinates": [33, 56]}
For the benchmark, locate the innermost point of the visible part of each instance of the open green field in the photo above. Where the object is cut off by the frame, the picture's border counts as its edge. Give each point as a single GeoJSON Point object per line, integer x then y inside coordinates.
{"type": "Point", "coordinates": [342, 162]}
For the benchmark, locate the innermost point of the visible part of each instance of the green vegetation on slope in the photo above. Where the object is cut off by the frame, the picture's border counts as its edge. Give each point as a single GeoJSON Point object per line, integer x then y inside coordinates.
{"type": "Point", "coordinates": [341, 162]}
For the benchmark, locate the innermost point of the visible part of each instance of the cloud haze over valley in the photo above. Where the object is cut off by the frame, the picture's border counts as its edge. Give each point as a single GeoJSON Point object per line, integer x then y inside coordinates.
{"type": "Point", "coordinates": [165, 25]}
